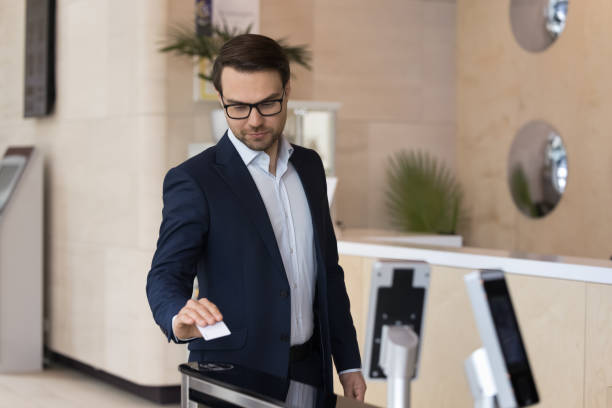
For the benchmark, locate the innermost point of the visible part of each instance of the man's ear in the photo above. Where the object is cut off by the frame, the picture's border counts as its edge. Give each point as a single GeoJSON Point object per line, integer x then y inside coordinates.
{"type": "Point", "coordinates": [288, 89]}
{"type": "Point", "coordinates": [219, 98]}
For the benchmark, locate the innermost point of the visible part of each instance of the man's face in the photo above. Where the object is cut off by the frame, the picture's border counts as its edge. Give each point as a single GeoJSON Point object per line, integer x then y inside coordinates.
{"type": "Point", "coordinates": [257, 132]}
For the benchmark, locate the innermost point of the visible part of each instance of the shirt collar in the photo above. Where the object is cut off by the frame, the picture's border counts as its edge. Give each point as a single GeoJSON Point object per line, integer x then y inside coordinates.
{"type": "Point", "coordinates": [246, 154]}
{"type": "Point", "coordinates": [249, 155]}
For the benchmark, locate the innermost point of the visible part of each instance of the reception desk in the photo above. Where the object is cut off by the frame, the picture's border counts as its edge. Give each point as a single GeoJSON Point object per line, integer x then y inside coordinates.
{"type": "Point", "coordinates": [564, 307]}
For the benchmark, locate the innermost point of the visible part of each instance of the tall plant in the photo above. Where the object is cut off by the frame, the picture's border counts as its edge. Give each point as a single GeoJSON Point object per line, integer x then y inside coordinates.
{"type": "Point", "coordinates": [183, 40]}
{"type": "Point", "coordinates": [422, 194]}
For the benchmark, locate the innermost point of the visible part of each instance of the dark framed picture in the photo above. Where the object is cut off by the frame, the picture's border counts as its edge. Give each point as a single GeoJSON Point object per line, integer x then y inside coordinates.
{"type": "Point", "coordinates": [39, 75]}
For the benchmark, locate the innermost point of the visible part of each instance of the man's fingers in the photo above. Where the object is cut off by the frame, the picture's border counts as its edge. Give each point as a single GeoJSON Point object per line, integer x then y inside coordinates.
{"type": "Point", "coordinates": [194, 316]}
{"type": "Point", "coordinates": [194, 310]}
{"type": "Point", "coordinates": [360, 394]}
{"type": "Point", "coordinates": [185, 319]}
{"type": "Point", "coordinates": [212, 308]}
{"type": "Point", "coordinates": [203, 315]}
{"type": "Point", "coordinates": [184, 326]}
{"type": "Point", "coordinates": [202, 311]}
{"type": "Point", "coordinates": [356, 392]}
{"type": "Point", "coordinates": [361, 390]}
{"type": "Point", "coordinates": [354, 385]}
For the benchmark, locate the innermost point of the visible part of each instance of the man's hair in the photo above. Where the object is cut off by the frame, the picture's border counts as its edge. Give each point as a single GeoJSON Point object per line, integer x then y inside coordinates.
{"type": "Point", "coordinates": [250, 53]}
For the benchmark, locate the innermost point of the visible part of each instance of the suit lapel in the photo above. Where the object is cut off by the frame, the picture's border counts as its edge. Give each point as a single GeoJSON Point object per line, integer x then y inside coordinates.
{"type": "Point", "coordinates": [308, 180]}
{"type": "Point", "coordinates": [233, 171]}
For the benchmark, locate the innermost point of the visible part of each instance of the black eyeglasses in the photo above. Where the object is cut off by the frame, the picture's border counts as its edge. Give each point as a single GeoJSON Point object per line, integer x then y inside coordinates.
{"type": "Point", "coordinates": [268, 107]}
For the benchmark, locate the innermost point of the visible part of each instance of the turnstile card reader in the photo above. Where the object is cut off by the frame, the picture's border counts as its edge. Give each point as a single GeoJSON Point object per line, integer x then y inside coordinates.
{"type": "Point", "coordinates": [222, 385]}
{"type": "Point", "coordinates": [395, 326]}
{"type": "Point", "coordinates": [499, 373]}
{"type": "Point", "coordinates": [398, 297]}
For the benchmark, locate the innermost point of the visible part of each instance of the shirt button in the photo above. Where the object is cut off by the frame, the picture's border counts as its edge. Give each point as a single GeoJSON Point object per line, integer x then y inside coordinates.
{"type": "Point", "coordinates": [284, 293]}
{"type": "Point", "coordinates": [291, 249]}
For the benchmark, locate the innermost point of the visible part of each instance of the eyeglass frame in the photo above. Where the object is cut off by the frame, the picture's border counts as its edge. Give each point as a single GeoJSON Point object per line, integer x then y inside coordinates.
{"type": "Point", "coordinates": [253, 105]}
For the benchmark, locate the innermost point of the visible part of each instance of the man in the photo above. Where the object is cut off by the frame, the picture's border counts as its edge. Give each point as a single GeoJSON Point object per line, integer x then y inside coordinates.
{"type": "Point", "coordinates": [249, 217]}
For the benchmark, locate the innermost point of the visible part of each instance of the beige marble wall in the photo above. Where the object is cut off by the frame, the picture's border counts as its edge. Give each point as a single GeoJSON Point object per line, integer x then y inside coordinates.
{"type": "Point", "coordinates": [105, 153]}
{"type": "Point", "coordinates": [500, 87]}
{"type": "Point", "coordinates": [391, 65]}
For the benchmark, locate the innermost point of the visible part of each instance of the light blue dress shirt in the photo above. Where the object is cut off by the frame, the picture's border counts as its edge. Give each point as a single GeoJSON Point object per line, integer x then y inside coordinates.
{"type": "Point", "coordinates": [287, 207]}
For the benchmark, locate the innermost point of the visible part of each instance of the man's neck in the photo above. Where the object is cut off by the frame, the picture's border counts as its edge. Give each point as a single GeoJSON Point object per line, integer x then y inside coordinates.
{"type": "Point", "coordinates": [272, 153]}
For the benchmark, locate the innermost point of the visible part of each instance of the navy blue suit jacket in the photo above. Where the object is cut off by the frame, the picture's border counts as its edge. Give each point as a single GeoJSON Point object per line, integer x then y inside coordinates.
{"type": "Point", "coordinates": [215, 226]}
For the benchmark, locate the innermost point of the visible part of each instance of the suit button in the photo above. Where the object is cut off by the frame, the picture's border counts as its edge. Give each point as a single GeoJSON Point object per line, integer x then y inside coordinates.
{"type": "Point", "coordinates": [284, 338]}
{"type": "Point", "coordinates": [284, 293]}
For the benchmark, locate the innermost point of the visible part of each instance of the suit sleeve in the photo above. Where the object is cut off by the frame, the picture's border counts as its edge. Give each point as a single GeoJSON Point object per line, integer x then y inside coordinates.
{"type": "Point", "coordinates": [344, 347]}
{"type": "Point", "coordinates": [182, 236]}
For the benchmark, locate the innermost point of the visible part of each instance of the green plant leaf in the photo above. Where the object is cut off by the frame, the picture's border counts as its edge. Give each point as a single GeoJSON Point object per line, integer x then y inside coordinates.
{"type": "Point", "coordinates": [422, 194]}
{"type": "Point", "coordinates": [184, 41]}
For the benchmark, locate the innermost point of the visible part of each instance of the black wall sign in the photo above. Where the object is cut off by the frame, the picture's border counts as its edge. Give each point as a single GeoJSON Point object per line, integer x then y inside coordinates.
{"type": "Point", "coordinates": [39, 58]}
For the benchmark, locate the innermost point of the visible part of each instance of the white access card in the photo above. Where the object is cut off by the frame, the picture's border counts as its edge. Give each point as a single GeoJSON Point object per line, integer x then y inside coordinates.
{"type": "Point", "coordinates": [214, 331]}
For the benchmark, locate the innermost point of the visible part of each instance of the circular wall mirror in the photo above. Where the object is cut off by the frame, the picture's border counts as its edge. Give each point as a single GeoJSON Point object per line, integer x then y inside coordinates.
{"type": "Point", "coordinates": [536, 24]}
{"type": "Point", "coordinates": [537, 169]}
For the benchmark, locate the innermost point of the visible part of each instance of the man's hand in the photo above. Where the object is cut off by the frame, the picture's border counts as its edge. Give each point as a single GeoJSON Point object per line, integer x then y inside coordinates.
{"type": "Point", "coordinates": [354, 385]}
{"type": "Point", "coordinates": [201, 312]}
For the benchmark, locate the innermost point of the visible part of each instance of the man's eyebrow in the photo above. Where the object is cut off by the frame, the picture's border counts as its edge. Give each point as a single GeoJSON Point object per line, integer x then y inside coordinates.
{"type": "Point", "coordinates": [275, 95]}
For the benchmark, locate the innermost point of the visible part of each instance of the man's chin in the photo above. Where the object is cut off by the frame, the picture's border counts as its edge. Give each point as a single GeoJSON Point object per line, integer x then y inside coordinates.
{"type": "Point", "coordinates": [259, 145]}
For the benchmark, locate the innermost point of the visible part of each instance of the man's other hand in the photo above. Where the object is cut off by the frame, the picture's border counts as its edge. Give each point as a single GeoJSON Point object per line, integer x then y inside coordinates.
{"type": "Point", "coordinates": [354, 385]}
{"type": "Point", "coordinates": [201, 312]}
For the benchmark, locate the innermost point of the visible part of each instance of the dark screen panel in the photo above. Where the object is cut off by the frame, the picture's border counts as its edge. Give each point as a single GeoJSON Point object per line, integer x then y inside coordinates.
{"type": "Point", "coordinates": [507, 330]}
{"type": "Point", "coordinates": [510, 339]}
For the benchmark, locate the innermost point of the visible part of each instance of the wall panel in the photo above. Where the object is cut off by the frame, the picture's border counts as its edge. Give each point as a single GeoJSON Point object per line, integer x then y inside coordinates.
{"type": "Point", "coordinates": [500, 87]}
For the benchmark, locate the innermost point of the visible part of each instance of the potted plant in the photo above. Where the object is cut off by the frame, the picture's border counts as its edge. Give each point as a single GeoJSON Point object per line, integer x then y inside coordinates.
{"type": "Point", "coordinates": [423, 195]}
{"type": "Point", "coordinates": [183, 40]}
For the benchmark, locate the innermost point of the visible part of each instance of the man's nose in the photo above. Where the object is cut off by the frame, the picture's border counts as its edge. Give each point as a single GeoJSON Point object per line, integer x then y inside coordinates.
{"type": "Point", "coordinates": [255, 118]}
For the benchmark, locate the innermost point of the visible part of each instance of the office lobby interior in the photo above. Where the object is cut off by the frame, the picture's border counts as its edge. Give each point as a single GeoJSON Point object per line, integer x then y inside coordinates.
{"type": "Point", "coordinates": [458, 136]}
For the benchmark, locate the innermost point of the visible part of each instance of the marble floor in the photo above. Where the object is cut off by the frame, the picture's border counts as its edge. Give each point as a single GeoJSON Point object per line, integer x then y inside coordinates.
{"type": "Point", "coordinates": [58, 386]}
